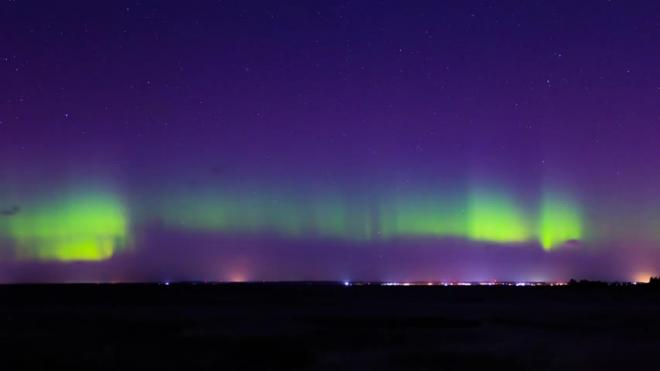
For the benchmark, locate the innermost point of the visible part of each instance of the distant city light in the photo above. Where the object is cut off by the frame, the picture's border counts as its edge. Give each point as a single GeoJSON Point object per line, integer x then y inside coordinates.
{"type": "Point", "coordinates": [642, 277]}
{"type": "Point", "coordinates": [477, 283]}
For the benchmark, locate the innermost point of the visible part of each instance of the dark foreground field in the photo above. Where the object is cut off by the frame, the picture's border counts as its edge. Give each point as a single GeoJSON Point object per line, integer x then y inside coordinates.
{"type": "Point", "coordinates": [328, 327]}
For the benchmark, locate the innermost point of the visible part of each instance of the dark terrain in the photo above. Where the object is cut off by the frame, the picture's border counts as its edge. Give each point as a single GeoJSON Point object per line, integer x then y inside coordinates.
{"type": "Point", "coordinates": [328, 327]}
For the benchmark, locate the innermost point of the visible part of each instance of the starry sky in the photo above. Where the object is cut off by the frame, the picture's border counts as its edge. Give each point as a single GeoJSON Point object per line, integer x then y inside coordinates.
{"type": "Point", "coordinates": [334, 140]}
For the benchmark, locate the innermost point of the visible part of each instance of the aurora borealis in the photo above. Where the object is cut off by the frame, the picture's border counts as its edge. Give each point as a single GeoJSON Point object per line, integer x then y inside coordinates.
{"type": "Point", "coordinates": [332, 141]}
{"type": "Point", "coordinates": [79, 227]}
{"type": "Point", "coordinates": [479, 216]}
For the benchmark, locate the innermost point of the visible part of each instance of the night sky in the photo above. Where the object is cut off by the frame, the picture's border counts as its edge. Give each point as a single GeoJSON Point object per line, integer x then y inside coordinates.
{"type": "Point", "coordinates": [333, 140]}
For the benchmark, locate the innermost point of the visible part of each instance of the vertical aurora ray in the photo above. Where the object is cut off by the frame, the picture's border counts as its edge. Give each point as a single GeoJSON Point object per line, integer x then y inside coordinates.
{"type": "Point", "coordinates": [480, 215]}
{"type": "Point", "coordinates": [560, 220]}
{"type": "Point", "coordinates": [83, 226]}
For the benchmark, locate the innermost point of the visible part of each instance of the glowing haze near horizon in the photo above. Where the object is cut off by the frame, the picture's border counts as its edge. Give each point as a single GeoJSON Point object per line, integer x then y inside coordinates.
{"type": "Point", "coordinates": [163, 140]}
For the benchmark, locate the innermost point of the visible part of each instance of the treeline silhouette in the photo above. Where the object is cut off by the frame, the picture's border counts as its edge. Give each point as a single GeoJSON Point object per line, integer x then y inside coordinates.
{"type": "Point", "coordinates": [653, 282]}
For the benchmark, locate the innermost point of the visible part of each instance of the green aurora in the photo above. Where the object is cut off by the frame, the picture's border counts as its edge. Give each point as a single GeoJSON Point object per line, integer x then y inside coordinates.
{"type": "Point", "coordinates": [85, 226]}
{"type": "Point", "coordinates": [93, 225]}
{"type": "Point", "coordinates": [480, 215]}
{"type": "Point", "coordinates": [560, 220]}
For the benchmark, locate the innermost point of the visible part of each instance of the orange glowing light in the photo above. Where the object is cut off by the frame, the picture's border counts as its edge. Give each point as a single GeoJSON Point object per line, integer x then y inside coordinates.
{"type": "Point", "coordinates": [237, 277]}
{"type": "Point", "coordinates": [642, 277]}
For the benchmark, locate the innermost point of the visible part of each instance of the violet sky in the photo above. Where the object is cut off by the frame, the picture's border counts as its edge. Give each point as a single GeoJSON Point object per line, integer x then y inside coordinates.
{"type": "Point", "coordinates": [329, 140]}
